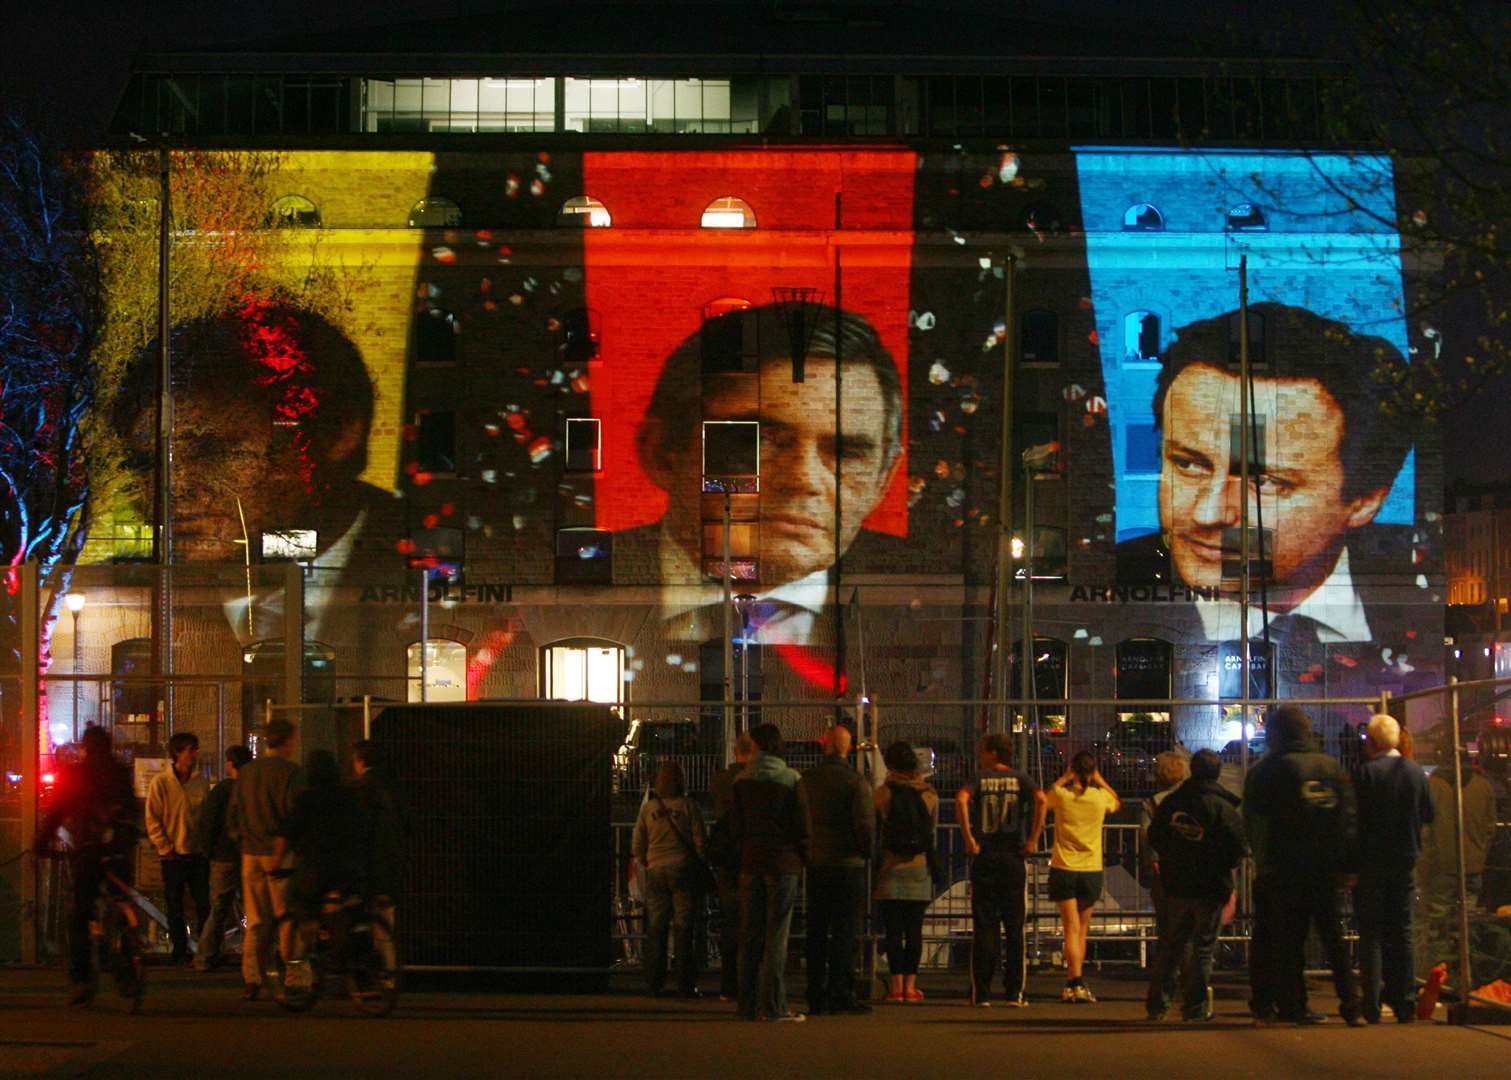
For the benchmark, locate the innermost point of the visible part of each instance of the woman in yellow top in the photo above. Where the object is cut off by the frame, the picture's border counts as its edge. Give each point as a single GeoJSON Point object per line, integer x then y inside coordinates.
{"type": "Point", "coordinates": [1080, 801]}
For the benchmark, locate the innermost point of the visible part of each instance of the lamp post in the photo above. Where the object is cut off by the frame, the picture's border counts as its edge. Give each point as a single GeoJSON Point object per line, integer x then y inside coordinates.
{"type": "Point", "coordinates": [75, 601]}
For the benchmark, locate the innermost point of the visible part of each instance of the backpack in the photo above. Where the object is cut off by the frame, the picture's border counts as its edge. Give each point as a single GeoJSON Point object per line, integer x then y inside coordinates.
{"type": "Point", "coordinates": [909, 828]}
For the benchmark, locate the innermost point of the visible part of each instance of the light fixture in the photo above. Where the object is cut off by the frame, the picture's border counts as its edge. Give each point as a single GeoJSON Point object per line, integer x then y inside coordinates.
{"type": "Point", "coordinates": [75, 601]}
{"type": "Point", "coordinates": [797, 305]}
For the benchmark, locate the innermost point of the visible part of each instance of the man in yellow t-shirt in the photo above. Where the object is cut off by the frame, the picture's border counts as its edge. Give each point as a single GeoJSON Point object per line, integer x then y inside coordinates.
{"type": "Point", "coordinates": [1080, 800]}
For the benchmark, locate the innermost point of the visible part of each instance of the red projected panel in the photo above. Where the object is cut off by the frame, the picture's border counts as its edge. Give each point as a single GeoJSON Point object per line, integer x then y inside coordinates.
{"type": "Point", "coordinates": [650, 276]}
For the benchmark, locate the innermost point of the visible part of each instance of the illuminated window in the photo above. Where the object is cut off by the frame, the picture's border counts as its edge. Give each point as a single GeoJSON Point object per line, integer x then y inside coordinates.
{"type": "Point", "coordinates": [435, 332]}
{"type": "Point", "coordinates": [742, 550]}
{"type": "Point", "coordinates": [729, 212]}
{"type": "Point", "coordinates": [1141, 339]}
{"type": "Point", "coordinates": [584, 444]}
{"type": "Point", "coordinates": [435, 441]}
{"type": "Point", "coordinates": [579, 335]}
{"type": "Point", "coordinates": [634, 105]}
{"type": "Point", "coordinates": [1246, 217]}
{"type": "Point", "coordinates": [297, 544]}
{"type": "Point", "coordinates": [1050, 681]}
{"type": "Point", "coordinates": [586, 211]}
{"type": "Point", "coordinates": [435, 212]}
{"type": "Point", "coordinates": [1039, 338]}
{"type": "Point", "coordinates": [444, 673]}
{"type": "Point", "coordinates": [1142, 217]}
{"type": "Point", "coordinates": [1257, 357]}
{"type": "Point", "coordinates": [294, 211]}
{"type": "Point", "coordinates": [584, 557]}
{"type": "Point", "coordinates": [730, 336]}
{"type": "Point", "coordinates": [583, 670]}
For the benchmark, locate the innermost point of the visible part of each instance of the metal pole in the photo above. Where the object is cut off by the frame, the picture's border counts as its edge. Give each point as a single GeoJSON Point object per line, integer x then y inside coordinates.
{"type": "Point", "coordinates": [1460, 1014]}
{"type": "Point", "coordinates": [729, 648]}
{"type": "Point", "coordinates": [31, 760]}
{"type": "Point", "coordinates": [1243, 507]}
{"type": "Point", "coordinates": [1027, 681]}
{"type": "Point", "coordinates": [367, 716]}
{"type": "Point", "coordinates": [745, 669]}
{"type": "Point", "coordinates": [76, 612]}
{"type": "Point", "coordinates": [839, 457]}
{"type": "Point", "coordinates": [1006, 467]}
{"type": "Point", "coordinates": [220, 729]}
{"type": "Point", "coordinates": [165, 440]}
{"type": "Point", "coordinates": [425, 637]}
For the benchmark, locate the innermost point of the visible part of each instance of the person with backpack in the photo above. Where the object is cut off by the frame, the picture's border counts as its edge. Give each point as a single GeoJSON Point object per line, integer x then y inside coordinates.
{"type": "Point", "coordinates": [1197, 836]}
{"type": "Point", "coordinates": [1300, 815]}
{"type": "Point", "coordinates": [668, 842]}
{"type": "Point", "coordinates": [1080, 799]}
{"type": "Point", "coordinates": [723, 856]}
{"type": "Point", "coordinates": [907, 807]}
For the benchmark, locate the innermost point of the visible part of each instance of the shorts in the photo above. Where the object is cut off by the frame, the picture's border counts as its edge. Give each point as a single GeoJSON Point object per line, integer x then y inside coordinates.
{"type": "Point", "coordinates": [1082, 886]}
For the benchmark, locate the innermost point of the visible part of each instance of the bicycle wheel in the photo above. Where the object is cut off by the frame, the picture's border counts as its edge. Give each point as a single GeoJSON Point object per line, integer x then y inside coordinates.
{"type": "Point", "coordinates": [372, 965]}
{"type": "Point", "coordinates": [299, 977]}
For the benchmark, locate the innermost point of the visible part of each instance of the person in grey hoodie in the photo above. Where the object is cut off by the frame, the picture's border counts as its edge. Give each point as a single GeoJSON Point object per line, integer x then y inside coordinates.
{"type": "Point", "coordinates": [668, 840]}
{"type": "Point", "coordinates": [844, 832]}
{"type": "Point", "coordinates": [769, 823]}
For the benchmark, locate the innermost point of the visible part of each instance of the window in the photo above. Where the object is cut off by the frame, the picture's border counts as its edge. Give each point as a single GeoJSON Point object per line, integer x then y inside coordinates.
{"type": "Point", "coordinates": [585, 211]}
{"type": "Point", "coordinates": [294, 211]}
{"type": "Point", "coordinates": [1141, 340]}
{"type": "Point", "coordinates": [1246, 217]}
{"type": "Point", "coordinates": [437, 549]}
{"type": "Point", "coordinates": [1050, 554]}
{"type": "Point", "coordinates": [583, 670]}
{"type": "Point", "coordinates": [728, 212]}
{"type": "Point", "coordinates": [584, 557]}
{"type": "Point", "coordinates": [1143, 668]}
{"type": "Point", "coordinates": [742, 550]}
{"type": "Point", "coordinates": [1141, 448]}
{"type": "Point", "coordinates": [731, 455]}
{"type": "Point", "coordinates": [443, 676]}
{"type": "Point", "coordinates": [435, 333]}
{"type": "Point", "coordinates": [435, 441]}
{"type": "Point", "coordinates": [1257, 357]}
{"type": "Point", "coordinates": [299, 545]}
{"type": "Point", "coordinates": [1032, 429]}
{"type": "Point", "coordinates": [579, 335]}
{"type": "Point", "coordinates": [730, 337]}
{"type": "Point", "coordinates": [1039, 338]}
{"type": "Point", "coordinates": [584, 444]}
{"type": "Point", "coordinates": [435, 212]}
{"type": "Point", "coordinates": [1142, 217]}
{"type": "Point", "coordinates": [634, 105]}
{"type": "Point", "coordinates": [1050, 681]}
{"type": "Point", "coordinates": [1041, 217]}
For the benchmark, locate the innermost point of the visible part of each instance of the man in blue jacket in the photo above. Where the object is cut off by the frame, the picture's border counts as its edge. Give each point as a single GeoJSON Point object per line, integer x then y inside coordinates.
{"type": "Point", "coordinates": [1394, 806]}
{"type": "Point", "coordinates": [1198, 836]}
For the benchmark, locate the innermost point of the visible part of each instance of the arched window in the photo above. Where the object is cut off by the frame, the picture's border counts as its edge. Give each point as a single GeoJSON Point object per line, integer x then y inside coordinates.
{"type": "Point", "coordinates": [583, 669]}
{"type": "Point", "coordinates": [1246, 217]}
{"type": "Point", "coordinates": [1256, 341]}
{"type": "Point", "coordinates": [1040, 217]}
{"type": "Point", "coordinates": [584, 211]}
{"type": "Point", "coordinates": [443, 676]}
{"type": "Point", "coordinates": [294, 211]}
{"type": "Point", "coordinates": [435, 212]}
{"type": "Point", "coordinates": [1143, 217]}
{"type": "Point", "coordinates": [1050, 684]}
{"type": "Point", "coordinates": [435, 331]}
{"type": "Point", "coordinates": [728, 212]}
{"type": "Point", "coordinates": [1143, 669]}
{"type": "Point", "coordinates": [1141, 340]}
{"type": "Point", "coordinates": [1039, 339]}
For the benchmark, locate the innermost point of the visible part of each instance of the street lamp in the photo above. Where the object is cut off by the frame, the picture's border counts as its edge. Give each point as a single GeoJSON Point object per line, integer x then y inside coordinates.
{"type": "Point", "coordinates": [75, 601]}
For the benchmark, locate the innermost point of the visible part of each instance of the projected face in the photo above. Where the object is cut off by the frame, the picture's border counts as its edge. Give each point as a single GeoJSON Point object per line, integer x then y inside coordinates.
{"type": "Point", "coordinates": [1301, 492]}
{"type": "Point", "coordinates": [798, 448]}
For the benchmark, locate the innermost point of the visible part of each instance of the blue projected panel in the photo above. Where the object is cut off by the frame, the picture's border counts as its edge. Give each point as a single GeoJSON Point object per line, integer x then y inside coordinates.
{"type": "Point", "coordinates": [1164, 234]}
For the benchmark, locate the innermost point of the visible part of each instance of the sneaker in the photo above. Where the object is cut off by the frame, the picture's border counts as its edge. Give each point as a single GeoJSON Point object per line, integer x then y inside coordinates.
{"type": "Point", "coordinates": [1309, 1019]}
{"type": "Point", "coordinates": [915, 995]}
{"type": "Point", "coordinates": [1154, 1016]}
{"type": "Point", "coordinates": [1068, 994]}
{"type": "Point", "coordinates": [1200, 1016]}
{"type": "Point", "coordinates": [1018, 1002]}
{"type": "Point", "coordinates": [1083, 993]}
{"type": "Point", "coordinates": [789, 1018]}
{"type": "Point", "coordinates": [1354, 1019]}
{"type": "Point", "coordinates": [982, 1004]}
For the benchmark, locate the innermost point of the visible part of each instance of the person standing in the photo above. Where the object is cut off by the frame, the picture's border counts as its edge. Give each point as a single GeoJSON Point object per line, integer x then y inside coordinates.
{"type": "Point", "coordinates": [174, 801]}
{"type": "Point", "coordinates": [260, 806]}
{"type": "Point", "coordinates": [225, 861]}
{"type": "Point", "coordinates": [724, 858]}
{"type": "Point", "coordinates": [908, 808]}
{"type": "Point", "coordinates": [1001, 814]}
{"type": "Point", "coordinates": [1394, 806]}
{"type": "Point", "coordinates": [843, 824]}
{"type": "Point", "coordinates": [377, 796]}
{"type": "Point", "coordinates": [1437, 868]}
{"type": "Point", "coordinates": [769, 824]}
{"type": "Point", "coordinates": [1300, 816]}
{"type": "Point", "coordinates": [1197, 836]}
{"type": "Point", "coordinates": [668, 842]}
{"type": "Point", "coordinates": [1081, 800]}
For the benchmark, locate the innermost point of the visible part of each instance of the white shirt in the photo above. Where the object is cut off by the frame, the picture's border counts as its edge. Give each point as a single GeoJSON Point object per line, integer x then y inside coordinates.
{"type": "Point", "coordinates": [1334, 605]}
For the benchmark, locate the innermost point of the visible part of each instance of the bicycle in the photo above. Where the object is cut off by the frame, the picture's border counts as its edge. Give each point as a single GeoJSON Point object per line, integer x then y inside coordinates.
{"type": "Point", "coordinates": [347, 938]}
{"type": "Point", "coordinates": [115, 940]}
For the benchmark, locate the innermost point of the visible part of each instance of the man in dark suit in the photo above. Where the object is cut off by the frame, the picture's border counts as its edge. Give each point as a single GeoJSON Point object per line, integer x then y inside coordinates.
{"type": "Point", "coordinates": [1324, 457]}
{"type": "Point", "coordinates": [740, 367]}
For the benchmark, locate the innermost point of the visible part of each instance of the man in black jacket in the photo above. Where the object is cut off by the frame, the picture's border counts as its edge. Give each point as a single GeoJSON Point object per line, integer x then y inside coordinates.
{"type": "Point", "coordinates": [224, 853]}
{"type": "Point", "coordinates": [843, 823]}
{"type": "Point", "coordinates": [724, 856]}
{"type": "Point", "coordinates": [769, 823]}
{"type": "Point", "coordinates": [1301, 819]}
{"type": "Point", "coordinates": [1198, 836]}
{"type": "Point", "coordinates": [374, 790]}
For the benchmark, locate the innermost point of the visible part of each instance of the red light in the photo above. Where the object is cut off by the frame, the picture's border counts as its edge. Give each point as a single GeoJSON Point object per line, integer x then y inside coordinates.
{"type": "Point", "coordinates": [48, 778]}
{"type": "Point", "coordinates": [1498, 721]}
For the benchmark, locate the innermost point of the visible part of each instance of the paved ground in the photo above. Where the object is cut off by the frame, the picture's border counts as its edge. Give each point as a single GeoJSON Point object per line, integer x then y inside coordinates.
{"type": "Point", "coordinates": [197, 1025]}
